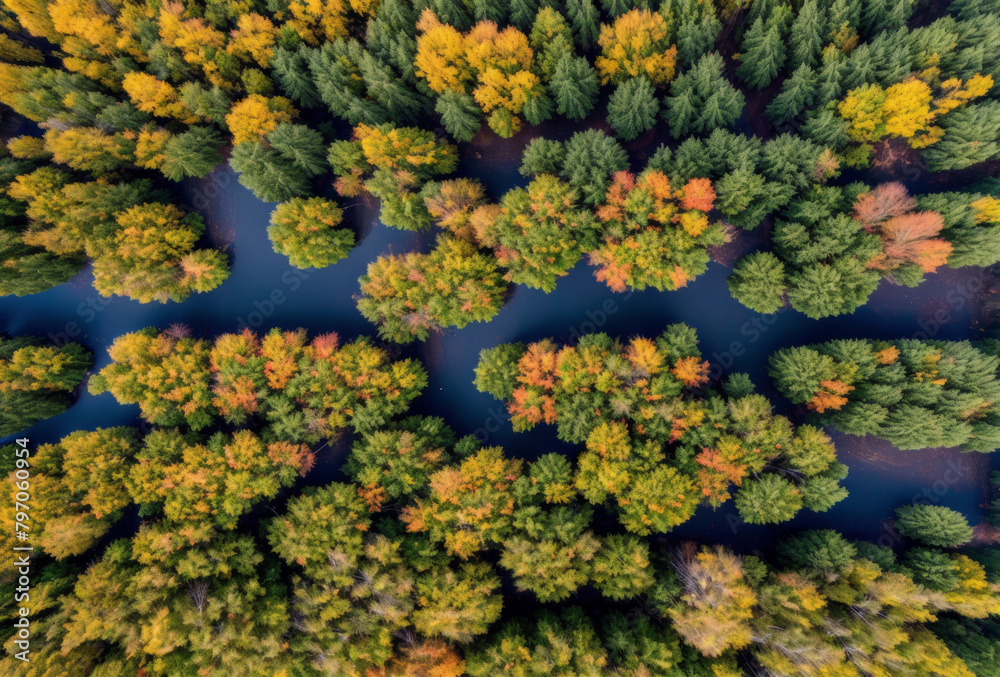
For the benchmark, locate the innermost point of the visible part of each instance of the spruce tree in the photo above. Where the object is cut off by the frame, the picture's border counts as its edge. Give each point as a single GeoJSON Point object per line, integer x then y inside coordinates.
{"type": "Point", "coordinates": [460, 114]}
{"type": "Point", "coordinates": [934, 525]}
{"type": "Point", "coordinates": [798, 93]}
{"type": "Point", "coordinates": [633, 107]}
{"type": "Point", "coordinates": [762, 53]}
{"type": "Point", "coordinates": [758, 282]}
{"type": "Point", "coordinates": [807, 36]}
{"type": "Point", "coordinates": [574, 87]}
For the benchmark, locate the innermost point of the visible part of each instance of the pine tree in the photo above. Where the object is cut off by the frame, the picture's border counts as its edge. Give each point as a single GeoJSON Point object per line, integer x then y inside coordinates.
{"type": "Point", "coordinates": [633, 107]}
{"type": "Point", "coordinates": [460, 114]}
{"type": "Point", "coordinates": [807, 36]}
{"type": "Point", "coordinates": [574, 87]}
{"type": "Point", "coordinates": [763, 53]}
{"type": "Point", "coordinates": [702, 100]}
{"type": "Point", "coordinates": [934, 525]}
{"type": "Point", "coordinates": [758, 282]}
{"type": "Point", "coordinates": [193, 153]}
{"type": "Point", "coordinates": [585, 19]}
{"type": "Point", "coordinates": [798, 94]}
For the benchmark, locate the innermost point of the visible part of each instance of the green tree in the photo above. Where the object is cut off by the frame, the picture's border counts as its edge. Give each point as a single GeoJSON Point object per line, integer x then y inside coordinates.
{"type": "Point", "coordinates": [410, 295]}
{"type": "Point", "coordinates": [305, 230]}
{"type": "Point", "coordinates": [702, 100]}
{"type": "Point", "coordinates": [933, 525]}
{"type": "Point", "coordinates": [769, 500]}
{"type": "Point", "coordinates": [632, 108]}
{"type": "Point", "coordinates": [762, 52]}
{"type": "Point", "coordinates": [460, 114]}
{"type": "Point", "coordinates": [574, 87]}
{"type": "Point", "coordinates": [758, 282]}
{"type": "Point", "coordinates": [37, 380]}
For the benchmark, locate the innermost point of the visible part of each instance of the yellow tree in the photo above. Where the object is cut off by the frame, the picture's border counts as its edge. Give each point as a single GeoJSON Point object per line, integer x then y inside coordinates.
{"type": "Point", "coordinates": [255, 116]}
{"type": "Point", "coordinates": [254, 39]}
{"type": "Point", "coordinates": [441, 56]}
{"type": "Point", "coordinates": [152, 95]}
{"type": "Point", "coordinates": [636, 44]}
{"type": "Point", "coordinates": [502, 61]}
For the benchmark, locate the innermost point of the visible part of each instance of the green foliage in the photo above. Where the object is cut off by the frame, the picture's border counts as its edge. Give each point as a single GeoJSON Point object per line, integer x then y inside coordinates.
{"type": "Point", "coordinates": [305, 230]}
{"type": "Point", "coordinates": [701, 100]}
{"type": "Point", "coordinates": [410, 295]}
{"type": "Point", "coordinates": [37, 380]}
{"type": "Point", "coordinates": [913, 393]}
{"type": "Point", "coordinates": [933, 525]}
{"type": "Point", "coordinates": [758, 282]}
{"type": "Point", "coordinates": [280, 170]}
{"type": "Point", "coordinates": [632, 108]}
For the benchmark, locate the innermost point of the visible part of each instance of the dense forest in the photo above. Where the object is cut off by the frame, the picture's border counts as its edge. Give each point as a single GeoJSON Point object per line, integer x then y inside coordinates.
{"type": "Point", "coordinates": [400, 569]}
{"type": "Point", "coordinates": [652, 138]}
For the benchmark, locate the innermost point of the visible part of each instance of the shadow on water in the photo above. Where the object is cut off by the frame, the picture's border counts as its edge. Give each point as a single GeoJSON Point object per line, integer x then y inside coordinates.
{"type": "Point", "coordinates": [264, 291]}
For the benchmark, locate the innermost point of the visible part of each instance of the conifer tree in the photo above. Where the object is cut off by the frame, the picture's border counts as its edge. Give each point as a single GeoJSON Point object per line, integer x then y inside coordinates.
{"type": "Point", "coordinates": [633, 107]}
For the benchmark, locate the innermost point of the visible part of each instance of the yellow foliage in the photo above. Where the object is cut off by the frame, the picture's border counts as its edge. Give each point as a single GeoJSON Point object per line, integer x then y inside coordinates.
{"type": "Point", "coordinates": [12, 50]}
{"type": "Point", "coordinates": [253, 39]}
{"type": "Point", "coordinates": [440, 57]}
{"type": "Point", "coordinates": [255, 116]}
{"type": "Point", "coordinates": [636, 44]}
{"type": "Point", "coordinates": [987, 210]}
{"type": "Point", "coordinates": [862, 108]}
{"type": "Point", "coordinates": [156, 97]}
{"type": "Point", "coordinates": [907, 108]}
{"type": "Point", "coordinates": [149, 148]}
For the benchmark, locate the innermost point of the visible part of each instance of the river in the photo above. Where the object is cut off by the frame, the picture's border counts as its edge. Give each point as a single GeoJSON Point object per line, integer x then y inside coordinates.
{"type": "Point", "coordinates": [264, 291]}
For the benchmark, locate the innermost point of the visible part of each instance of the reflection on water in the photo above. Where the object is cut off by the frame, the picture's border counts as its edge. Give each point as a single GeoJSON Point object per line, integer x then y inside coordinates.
{"type": "Point", "coordinates": [265, 291]}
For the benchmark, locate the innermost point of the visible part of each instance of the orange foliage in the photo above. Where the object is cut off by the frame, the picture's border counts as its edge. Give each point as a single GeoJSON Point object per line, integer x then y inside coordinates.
{"type": "Point", "coordinates": [885, 200]}
{"type": "Point", "coordinates": [690, 371]}
{"type": "Point", "coordinates": [910, 238]}
{"type": "Point", "coordinates": [698, 194]}
{"type": "Point", "coordinates": [888, 355]}
{"type": "Point", "coordinates": [830, 396]}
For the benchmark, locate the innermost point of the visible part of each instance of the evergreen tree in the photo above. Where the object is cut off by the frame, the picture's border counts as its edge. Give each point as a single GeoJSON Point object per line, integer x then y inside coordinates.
{"type": "Point", "coordinates": [758, 282]}
{"type": "Point", "coordinates": [933, 525]}
{"type": "Point", "coordinates": [460, 114]}
{"type": "Point", "coordinates": [633, 107]}
{"type": "Point", "coordinates": [763, 52]}
{"type": "Point", "coordinates": [807, 36]}
{"type": "Point", "coordinates": [574, 87]}
{"type": "Point", "coordinates": [193, 153]}
{"type": "Point", "coordinates": [798, 94]}
{"type": "Point", "coordinates": [702, 100]}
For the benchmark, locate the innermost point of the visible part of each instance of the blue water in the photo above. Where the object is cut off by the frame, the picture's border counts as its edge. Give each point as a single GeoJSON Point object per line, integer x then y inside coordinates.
{"type": "Point", "coordinates": [264, 291]}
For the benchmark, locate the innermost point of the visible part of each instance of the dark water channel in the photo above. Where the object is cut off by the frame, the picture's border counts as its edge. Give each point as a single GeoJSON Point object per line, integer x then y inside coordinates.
{"type": "Point", "coordinates": [265, 291]}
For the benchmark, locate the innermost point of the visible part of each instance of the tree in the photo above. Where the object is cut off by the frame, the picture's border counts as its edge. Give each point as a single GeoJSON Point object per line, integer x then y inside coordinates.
{"type": "Point", "coordinates": [193, 153]}
{"type": "Point", "coordinates": [397, 461]}
{"type": "Point", "coordinates": [806, 37]}
{"type": "Point", "coordinates": [153, 257]}
{"type": "Point", "coordinates": [574, 87]}
{"type": "Point", "coordinates": [540, 232]}
{"type": "Point", "coordinates": [637, 43]}
{"type": "Point", "coordinates": [770, 500]}
{"type": "Point", "coordinates": [758, 282]}
{"type": "Point", "coordinates": [410, 295]}
{"type": "Point", "coordinates": [305, 230]}
{"type": "Point", "coordinates": [633, 107]}
{"type": "Point", "coordinates": [701, 99]}
{"type": "Point", "coordinates": [165, 374]}
{"type": "Point", "coordinates": [798, 94]}
{"type": "Point", "coordinates": [477, 494]}
{"type": "Point", "coordinates": [821, 553]}
{"type": "Point", "coordinates": [717, 604]}
{"type": "Point", "coordinates": [559, 644]}
{"type": "Point", "coordinates": [591, 158]}
{"type": "Point", "coordinates": [218, 480]}
{"type": "Point", "coordinates": [459, 114]}
{"type": "Point", "coordinates": [933, 525]}
{"type": "Point", "coordinates": [256, 116]}
{"type": "Point", "coordinates": [621, 568]}
{"type": "Point", "coordinates": [763, 51]}
{"type": "Point", "coordinates": [280, 169]}
{"type": "Point", "coordinates": [37, 380]}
